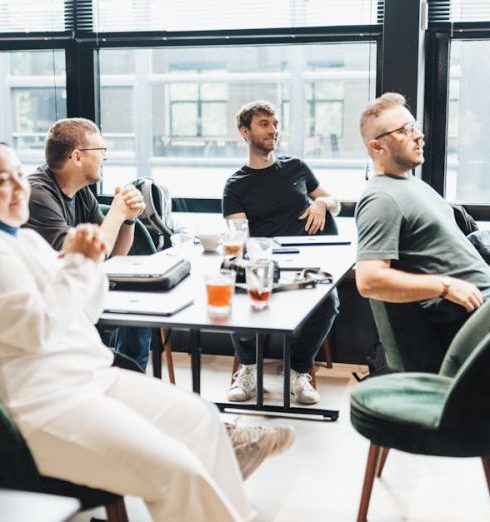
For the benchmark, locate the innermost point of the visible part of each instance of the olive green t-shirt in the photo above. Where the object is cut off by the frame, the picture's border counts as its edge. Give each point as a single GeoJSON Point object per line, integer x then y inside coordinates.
{"type": "Point", "coordinates": [402, 219]}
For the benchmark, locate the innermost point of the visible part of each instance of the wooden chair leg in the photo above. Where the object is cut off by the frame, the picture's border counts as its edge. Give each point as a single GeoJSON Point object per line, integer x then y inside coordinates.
{"type": "Point", "coordinates": [236, 365]}
{"type": "Point", "coordinates": [116, 512]}
{"type": "Point", "coordinates": [367, 487]}
{"type": "Point", "coordinates": [382, 459]}
{"type": "Point", "coordinates": [167, 350]}
{"type": "Point", "coordinates": [486, 468]}
{"type": "Point", "coordinates": [327, 352]}
{"type": "Point", "coordinates": [313, 376]}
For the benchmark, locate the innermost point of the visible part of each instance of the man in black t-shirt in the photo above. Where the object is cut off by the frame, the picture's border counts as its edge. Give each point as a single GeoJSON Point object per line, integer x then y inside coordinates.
{"type": "Point", "coordinates": [61, 199]}
{"type": "Point", "coordinates": [279, 197]}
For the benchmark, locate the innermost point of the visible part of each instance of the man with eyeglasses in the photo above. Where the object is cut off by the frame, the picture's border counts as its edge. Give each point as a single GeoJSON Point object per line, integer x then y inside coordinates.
{"type": "Point", "coordinates": [61, 199]}
{"type": "Point", "coordinates": [410, 248]}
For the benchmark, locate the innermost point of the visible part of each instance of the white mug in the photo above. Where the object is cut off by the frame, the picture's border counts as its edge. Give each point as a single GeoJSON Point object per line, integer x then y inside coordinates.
{"type": "Point", "coordinates": [209, 242]}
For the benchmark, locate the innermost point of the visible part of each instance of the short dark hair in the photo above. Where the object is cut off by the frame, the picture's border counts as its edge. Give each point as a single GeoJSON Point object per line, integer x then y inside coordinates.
{"type": "Point", "coordinates": [64, 136]}
{"type": "Point", "coordinates": [249, 110]}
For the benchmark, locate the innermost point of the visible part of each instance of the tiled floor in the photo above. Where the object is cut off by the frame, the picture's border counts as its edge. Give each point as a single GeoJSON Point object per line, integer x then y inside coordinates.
{"type": "Point", "coordinates": [320, 477]}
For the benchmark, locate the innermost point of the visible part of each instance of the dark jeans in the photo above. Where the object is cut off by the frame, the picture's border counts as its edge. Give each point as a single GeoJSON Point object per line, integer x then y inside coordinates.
{"type": "Point", "coordinates": [309, 342]}
{"type": "Point", "coordinates": [132, 342]}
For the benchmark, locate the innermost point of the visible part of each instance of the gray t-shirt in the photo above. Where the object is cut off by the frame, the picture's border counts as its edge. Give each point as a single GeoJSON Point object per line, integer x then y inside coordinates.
{"type": "Point", "coordinates": [404, 220]}
{"type": "Point", "coordinates": [52, 213]}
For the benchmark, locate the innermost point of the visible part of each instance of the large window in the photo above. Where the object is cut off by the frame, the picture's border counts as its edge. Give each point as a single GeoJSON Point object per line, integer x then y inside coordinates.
{"type": "Point", "coordinates": [170, 112]}
{"type": "Point", "coordinates": [468, 150]}
{"type": "Point", "coordinates": [33, 97]}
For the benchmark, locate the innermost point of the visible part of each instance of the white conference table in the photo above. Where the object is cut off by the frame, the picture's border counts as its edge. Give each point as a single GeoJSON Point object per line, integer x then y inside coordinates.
{"type": "Point", "coordinates": [285, 315]}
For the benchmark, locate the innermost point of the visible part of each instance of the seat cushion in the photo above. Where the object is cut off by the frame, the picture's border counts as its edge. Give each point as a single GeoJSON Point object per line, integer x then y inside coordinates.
{"type": "Point", "coordinates": [402, 411]}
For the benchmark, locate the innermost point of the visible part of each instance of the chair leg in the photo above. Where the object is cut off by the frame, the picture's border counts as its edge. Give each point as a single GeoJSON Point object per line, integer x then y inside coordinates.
{"type": "Point", "coordinates": [116, 512]}
{"type": "Point", "coordinates": [327, 352]}
{"type": "Point", "coordinates": [313, 375]}
{"type": "Point", "coordinates": [486, 468]}
{"type": "Point", "coordinates": [167, 350]}
{"type": "Point", "coordinates": [236, 365]}
{"type": "Point", "coordinates": [367, 487]}
{"type": "Point", "coordinates": [382, 459]}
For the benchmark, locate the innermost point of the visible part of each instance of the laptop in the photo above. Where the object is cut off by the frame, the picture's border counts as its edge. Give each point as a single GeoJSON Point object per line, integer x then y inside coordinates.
{"type": "Point", "coordinates": [144, 303]}
{"type": "Point", "coordinates": [150, 266]}
{"type": "Point", "coordinates": [286, 241]}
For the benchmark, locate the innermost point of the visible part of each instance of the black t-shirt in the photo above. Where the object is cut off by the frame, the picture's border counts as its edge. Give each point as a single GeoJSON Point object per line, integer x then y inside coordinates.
{"type": "Point", "coordinates": [272, 198]}
{"type": "Point", "coordinates": [52, 213]}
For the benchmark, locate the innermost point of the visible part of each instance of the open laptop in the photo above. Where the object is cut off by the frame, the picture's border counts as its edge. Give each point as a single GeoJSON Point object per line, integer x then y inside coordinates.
{"type": "Point", "coordinates": [163, 303]}
{"type": "Point", "coordinates": [286, 241]}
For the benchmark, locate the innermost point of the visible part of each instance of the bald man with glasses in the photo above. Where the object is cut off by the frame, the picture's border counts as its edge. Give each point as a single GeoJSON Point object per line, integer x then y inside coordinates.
{"type": "Point", "coordinates": [410, 248]}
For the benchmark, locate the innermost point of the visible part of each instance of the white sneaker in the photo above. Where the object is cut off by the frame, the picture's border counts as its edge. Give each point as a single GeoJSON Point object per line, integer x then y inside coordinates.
{"type": "Point", "coordinates": [244, 386]}
{"type": "Point", "coordinates": [302, 389]}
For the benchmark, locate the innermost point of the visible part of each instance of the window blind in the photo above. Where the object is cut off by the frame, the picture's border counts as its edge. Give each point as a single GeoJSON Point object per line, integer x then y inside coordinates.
{"type": "Point", "coordinates": [26, 16]}
{"type": "Point", "coordinates": [200, 15]}
{"type": "Point", "coordinates": [459, 11]}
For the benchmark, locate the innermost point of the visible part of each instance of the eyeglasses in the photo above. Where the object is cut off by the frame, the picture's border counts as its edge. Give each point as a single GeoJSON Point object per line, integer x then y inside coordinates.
{"type": "Point", "coordinates": [409, 129]}
{"type": "Point", "coordinates": [103, 149]}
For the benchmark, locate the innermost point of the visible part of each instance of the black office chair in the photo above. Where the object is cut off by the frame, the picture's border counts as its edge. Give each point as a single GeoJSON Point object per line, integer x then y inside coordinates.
{"type": "Point", "coordinates": [18, 471]}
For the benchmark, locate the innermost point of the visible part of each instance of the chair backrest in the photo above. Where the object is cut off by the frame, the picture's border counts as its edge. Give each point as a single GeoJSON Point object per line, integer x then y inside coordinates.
{"type": "Point", "coordinates": [143, 243]}
{"type": "Point", "coordinates": [465, 341]}
{"type": "Point", "coordinates": [468, 400]}
{"type": "Point", "coordinates": [17, 467]}
{"type": "Point", "coordinates": [410, 342]}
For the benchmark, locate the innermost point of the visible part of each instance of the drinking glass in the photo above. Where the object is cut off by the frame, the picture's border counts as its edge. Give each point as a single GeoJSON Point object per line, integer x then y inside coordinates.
{"type": "Point", "coordinates": [260, 276]}
{"type": "Point", "coordinates": [219, 288]}
{"type": "Point", "coordinates": [259, 248]}
{"type": "Point", "coordinates": [234, 238]}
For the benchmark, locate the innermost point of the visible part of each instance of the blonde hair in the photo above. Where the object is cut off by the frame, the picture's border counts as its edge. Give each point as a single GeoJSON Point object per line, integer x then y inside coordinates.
{"type": "Point", "coordinates": [375, 108]}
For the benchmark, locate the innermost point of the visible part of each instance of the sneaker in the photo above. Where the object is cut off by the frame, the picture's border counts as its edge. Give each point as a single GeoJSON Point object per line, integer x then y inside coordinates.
{"type": "Point", "coordinates": [302, 389]}
{"type": "Point", "coordinates": [243, 387]}
{"type": "Point", "coordinates": [284, 436]}
{"type": "Point", "coordinates": [250, 455]}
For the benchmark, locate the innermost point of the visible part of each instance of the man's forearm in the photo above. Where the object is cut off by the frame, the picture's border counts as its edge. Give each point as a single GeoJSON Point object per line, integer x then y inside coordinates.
{"type": "Point", "coordinates": [396, 286]}
{"type": "Point", "coordinates": [332, 204]}
{"type": "Point", "coordinates": [119, 237]}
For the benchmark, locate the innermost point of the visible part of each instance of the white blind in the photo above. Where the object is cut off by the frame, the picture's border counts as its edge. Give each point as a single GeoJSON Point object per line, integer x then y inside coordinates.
{"type": "Point", "coordinates": [25, 16]}
{"type": "Point", "coordinates": [206, 15]}
{"type": "Point", "coordinates": [459, 11]}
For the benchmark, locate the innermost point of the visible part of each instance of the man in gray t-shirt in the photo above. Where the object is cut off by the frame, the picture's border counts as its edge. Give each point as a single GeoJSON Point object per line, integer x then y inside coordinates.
{"type": "Point", "coordinates": [410, 247]}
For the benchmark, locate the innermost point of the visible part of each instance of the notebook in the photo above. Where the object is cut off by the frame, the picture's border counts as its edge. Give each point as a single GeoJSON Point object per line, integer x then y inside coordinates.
{"type": "Point", "coordinates": [163, 303]}
{"type": "Point", "coordinates": [285, 241]}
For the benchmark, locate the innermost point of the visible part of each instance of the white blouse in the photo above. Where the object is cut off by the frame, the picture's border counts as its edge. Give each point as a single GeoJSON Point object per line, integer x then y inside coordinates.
{"type": "Point", "coordinates": [51, 355]}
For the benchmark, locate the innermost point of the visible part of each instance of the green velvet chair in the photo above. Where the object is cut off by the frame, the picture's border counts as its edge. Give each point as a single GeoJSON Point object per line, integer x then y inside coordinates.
{"type": "Point", "coordinates": [18, 471]}
{"type": "Point", "coordinates": [143, 245]}
{"type": "Point", "coordinates": [443, 414]}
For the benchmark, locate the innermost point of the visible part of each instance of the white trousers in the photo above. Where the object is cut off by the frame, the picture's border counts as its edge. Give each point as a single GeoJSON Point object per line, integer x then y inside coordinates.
{"type": "Point", "coordinates": [147, 439]}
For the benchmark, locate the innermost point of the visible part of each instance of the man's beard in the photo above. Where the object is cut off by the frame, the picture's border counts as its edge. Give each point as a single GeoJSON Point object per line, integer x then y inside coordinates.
{"type": "Point", "coordinates": [405, 163]}
{"type": "Point", "coordinates": [262, 147]}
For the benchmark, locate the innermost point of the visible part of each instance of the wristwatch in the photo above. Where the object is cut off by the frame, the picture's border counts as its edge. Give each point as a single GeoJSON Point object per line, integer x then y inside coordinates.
{"type": "Point", "coordinates": [446, 283]}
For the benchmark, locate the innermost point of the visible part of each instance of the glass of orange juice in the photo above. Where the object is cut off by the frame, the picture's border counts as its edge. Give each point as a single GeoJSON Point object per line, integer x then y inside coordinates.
{"type": "Point", "coordinates": [220, 287]}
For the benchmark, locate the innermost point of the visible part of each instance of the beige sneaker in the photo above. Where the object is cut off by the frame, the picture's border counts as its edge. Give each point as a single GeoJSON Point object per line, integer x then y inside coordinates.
{"type": "Point", "coordinates": [283, 436]}
{"type": "Point", "coordinates": [250, 455]}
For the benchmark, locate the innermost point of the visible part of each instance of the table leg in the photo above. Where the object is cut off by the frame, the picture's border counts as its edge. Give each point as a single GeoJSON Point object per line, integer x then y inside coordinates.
{"type": "Point", "coordinates": [156, 353]}
{"type": "Point", "coordinates": [287, 371]}
{"type": "Point", "coordinates": [195, 347]}
{"type": "Point", "coordinates": [259, 347]}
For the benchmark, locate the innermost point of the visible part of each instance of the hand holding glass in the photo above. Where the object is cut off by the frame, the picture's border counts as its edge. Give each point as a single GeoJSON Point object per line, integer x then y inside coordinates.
{"type": "Point", "coordinates": [260, 276]}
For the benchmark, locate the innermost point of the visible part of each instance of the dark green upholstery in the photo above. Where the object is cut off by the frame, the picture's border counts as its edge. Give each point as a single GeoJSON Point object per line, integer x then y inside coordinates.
{"type": "Point", "coordinates": [410, 342]}
{"type": "Point", "coordinates": [142, 244]}
{"type": "Point", "coordinates": [445, 414]}
{"type": "Point", "coordinates": [18, 470]}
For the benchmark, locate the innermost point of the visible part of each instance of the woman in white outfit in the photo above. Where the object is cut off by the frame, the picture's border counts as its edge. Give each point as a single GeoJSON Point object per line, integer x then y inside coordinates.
{"type": "Point", "coordinates": [83, 420]}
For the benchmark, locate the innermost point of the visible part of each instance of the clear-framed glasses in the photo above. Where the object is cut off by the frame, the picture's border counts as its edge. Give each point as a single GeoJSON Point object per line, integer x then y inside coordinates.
{"type": "Point", "coordinates": [409, 129]}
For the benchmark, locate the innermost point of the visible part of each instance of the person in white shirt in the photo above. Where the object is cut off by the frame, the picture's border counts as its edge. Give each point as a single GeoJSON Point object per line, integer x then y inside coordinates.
{"type": "Point", "coordinates": [83, 420]}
